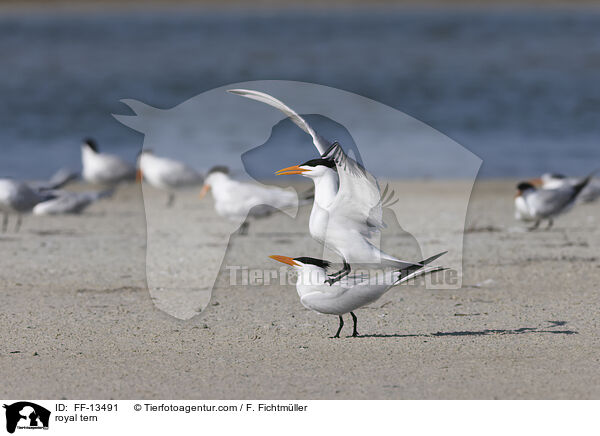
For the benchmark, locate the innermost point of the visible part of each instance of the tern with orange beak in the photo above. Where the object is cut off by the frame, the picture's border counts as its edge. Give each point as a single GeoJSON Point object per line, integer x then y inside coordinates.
{"type": "Point", "coordinates": [241, 202]}
{"type": "Point", "coordinates": [347, 214]}
{"type": "Point", "coordinates": [537, 204]}
{"type": "Point", "coordinates": [351, 293]}
{"type": "Point", "coordinates": [167, 174]}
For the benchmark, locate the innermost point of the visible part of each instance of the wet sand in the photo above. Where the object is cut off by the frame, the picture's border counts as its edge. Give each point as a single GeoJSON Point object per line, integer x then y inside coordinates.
{"type": "Point", "coordinates": [79, 322]}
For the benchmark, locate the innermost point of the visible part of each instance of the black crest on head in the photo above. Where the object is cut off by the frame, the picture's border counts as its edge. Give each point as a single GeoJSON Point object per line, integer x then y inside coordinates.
{"type": "Point", "coordinates": [92, 144]}
{"type": "Point", "coordinates": [218, 169]}
{"type": "Point", "coordinates": [524, 186]}
{"type": "Point", "coordinates": [311, 260]}
{"type": "Point", "coordinates": [329, 163]}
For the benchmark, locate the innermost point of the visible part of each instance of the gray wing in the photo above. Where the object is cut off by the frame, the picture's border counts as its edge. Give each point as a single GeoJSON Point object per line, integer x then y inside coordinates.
{"type": "Point", "coordinates": [320, 143]}
{"type": "Point", "coordinates": [359, 198]}
{"type": "Point", "coordinates": [591, 192]}
{"type": "Point", "coordinates": [547, 202]}
{"type": "Point", "coordinates": [58, 180]}
{"type": "Point", "coordinates": [65, 202]}
{"type": "Point", "coordinates": [26, 198]}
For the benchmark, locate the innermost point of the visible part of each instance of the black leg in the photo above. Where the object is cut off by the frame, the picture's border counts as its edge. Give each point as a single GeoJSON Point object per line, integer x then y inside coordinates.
{"type": "Point", "coordinates": [171, 199]}
{"type": "Point", "coordinates": [19, 222]}
{"type": "Point", "coordinates": [337, 335]}
{"type": "Point", "coordinates": [535, 226]}
{"type": "Point", "coordinates": [354, 332]}
{"type": "Point", "coordinates": [340, 274]}
{"type": "Point", "coordinates": [550, 223]}
{"type": "Point", "coordinates": [4, 222]}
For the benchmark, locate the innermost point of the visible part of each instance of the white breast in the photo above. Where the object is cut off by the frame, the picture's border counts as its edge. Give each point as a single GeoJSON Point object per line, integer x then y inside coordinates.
{"type": "Point", "coordinates": [104, 168]}
{"type": "Point", "coordinates": [522, 211]}
{"type": "Point", "coordinates": [317, 224]}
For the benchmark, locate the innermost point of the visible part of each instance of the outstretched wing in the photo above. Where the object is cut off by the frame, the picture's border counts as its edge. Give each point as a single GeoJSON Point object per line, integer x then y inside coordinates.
{"type": "Point", "coordinates": [320, 143]}
{"type": "Point", "coordinates": [358, 199]}
{"type": "Point", "coordinates": [388, 199]}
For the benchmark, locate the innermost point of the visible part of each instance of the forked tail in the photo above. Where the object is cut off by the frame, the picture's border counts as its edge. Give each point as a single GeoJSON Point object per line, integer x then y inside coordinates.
{"type": "Point", "coordinates": [417, 270]}
{"type": "Point", "coordinates": [581, 185]}
{"type": "Point", "coordinates": [420, 272]}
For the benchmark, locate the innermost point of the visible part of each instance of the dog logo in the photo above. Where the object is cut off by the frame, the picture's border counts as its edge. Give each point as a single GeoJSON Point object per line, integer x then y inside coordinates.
{"type": "Point", "coordinates": [26, 415]}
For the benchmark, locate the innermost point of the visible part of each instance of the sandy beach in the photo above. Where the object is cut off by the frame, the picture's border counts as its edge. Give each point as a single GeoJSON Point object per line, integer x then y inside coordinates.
{"type": "Point", "coordinates": [79, 320]}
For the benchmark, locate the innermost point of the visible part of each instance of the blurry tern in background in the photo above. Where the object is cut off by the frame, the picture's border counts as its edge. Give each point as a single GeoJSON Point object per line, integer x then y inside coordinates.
{"type": "Point", "coordinates": [167, 174]}
{"type": "Point", "coordinates": [351, 293]}
{"type": "Point", "coordinates": [590, 193]}
{"type": "Point", "coordinates": [104, 169]}
{"type": "Point", "coordinates": [66, 202]}
{"type": "Point", "coordinates": [537, 204]}
{"type": "Point", "coordinates": [347, 213]}
{"type": "Point", "coordinates": [239, 202]}
{"type": "Point", "coordinates": [19, 198]}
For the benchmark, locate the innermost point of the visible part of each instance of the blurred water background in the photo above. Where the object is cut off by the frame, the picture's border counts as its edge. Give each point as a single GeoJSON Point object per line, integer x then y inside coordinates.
{"type": "Point", "coordinates": [520, 88]}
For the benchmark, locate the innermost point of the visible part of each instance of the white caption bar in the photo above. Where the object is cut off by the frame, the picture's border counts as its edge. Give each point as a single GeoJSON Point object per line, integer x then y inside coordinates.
{"type": "Point", "coordinates": [412, 418]}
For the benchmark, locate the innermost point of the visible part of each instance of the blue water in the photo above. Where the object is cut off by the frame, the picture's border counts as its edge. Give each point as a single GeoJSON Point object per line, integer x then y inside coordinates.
{"type": "Point", "coordinates": [520, 88]}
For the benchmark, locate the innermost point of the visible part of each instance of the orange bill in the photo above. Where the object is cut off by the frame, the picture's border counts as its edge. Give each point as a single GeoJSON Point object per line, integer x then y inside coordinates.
{"type": "Point", "coordinates": [284, 259]}
{"type": "Point", "coordinates": [204, 191]}
{"type": "Point", "coordinates": [139, 176]}
{"type": "Point", "coordinates": [291, 170]}
{"type": "Point", "coordinates": [536, 182]}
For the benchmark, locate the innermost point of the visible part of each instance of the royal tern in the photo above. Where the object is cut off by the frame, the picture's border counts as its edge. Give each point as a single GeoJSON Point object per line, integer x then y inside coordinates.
{"type": "Point", "coordinates": [350, 294]}
{"type": "Point", "coordinates": [19, 198]}
{"type": "Point", "coordinates": [66, 202]}
{"type": "Point", "coordinates": [553, 180]}
{"type": "Point", "coordinates": [167, 174]}
{"type": "Point", "coordinates": [537, 204]}
{"type": "Point", "coordinates": [347, 210]}
{"type": "Point", "coordinates": [102, 168]}
{"type": "Point", "coordinates": [239, 202]}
